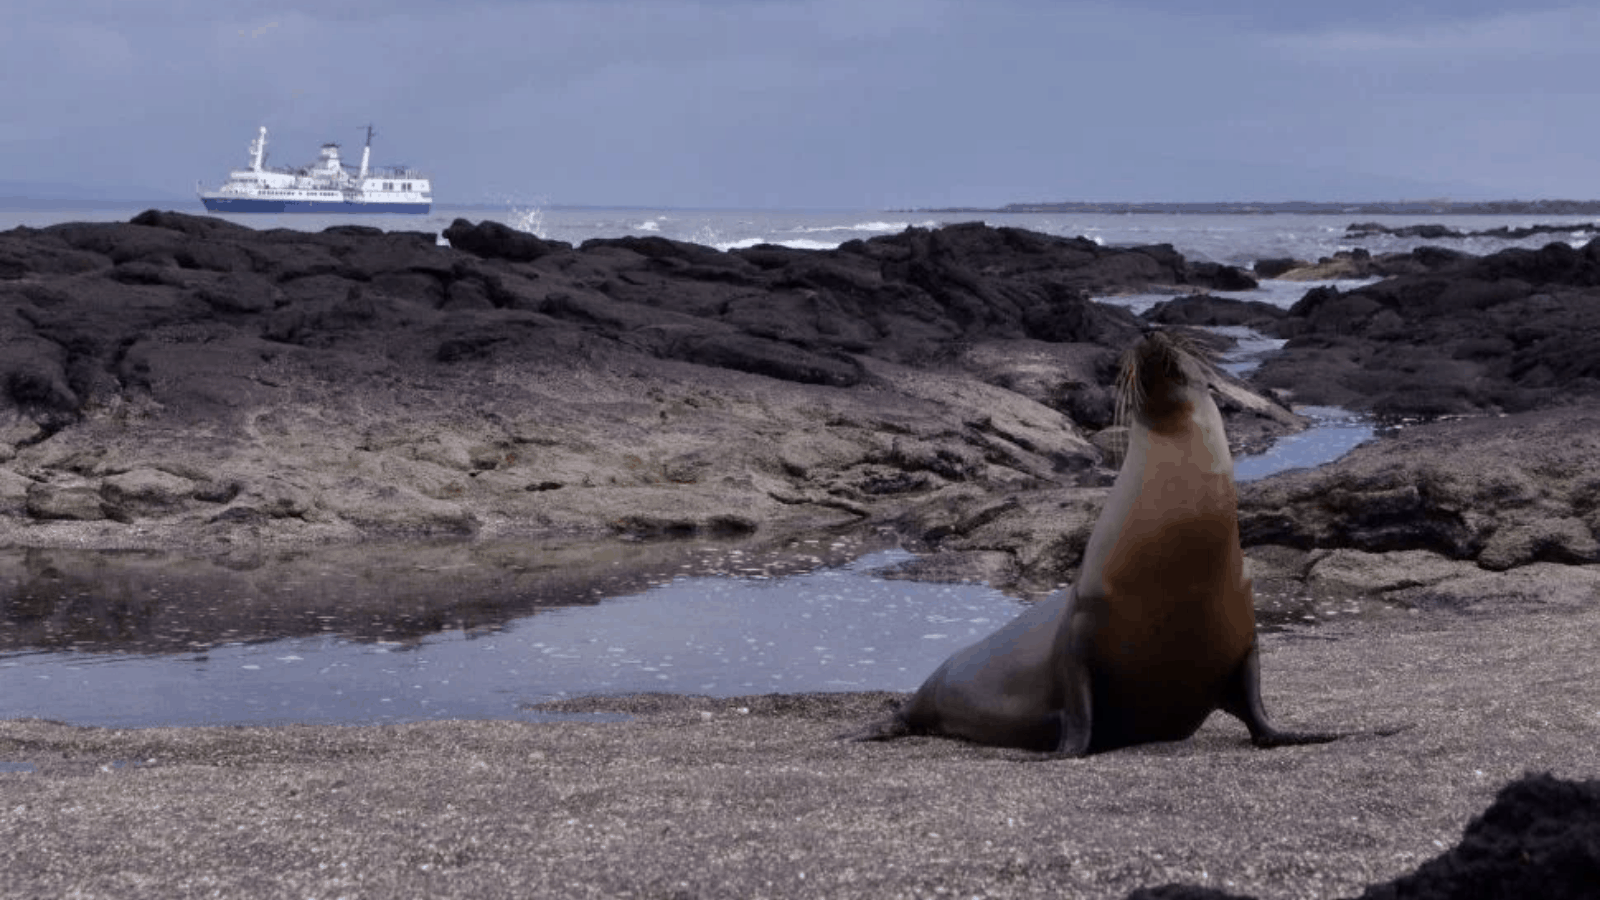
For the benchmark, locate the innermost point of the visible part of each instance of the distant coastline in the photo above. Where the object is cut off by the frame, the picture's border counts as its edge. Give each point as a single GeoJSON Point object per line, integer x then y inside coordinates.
{"type": "Point", "coordinates": [1299, 207]}
{"type": "Point", "coordinates": [1440, 207]}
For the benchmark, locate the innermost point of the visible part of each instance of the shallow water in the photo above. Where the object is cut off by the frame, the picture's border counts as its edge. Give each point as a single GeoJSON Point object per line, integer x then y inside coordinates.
{"type": "Point", "coordinates": [790, 625]}
{"type": "Point", "coordinates": [1334, 433]}
{"type": "Point", "coordinates": [833, 629]}
{"type": "Point", "coordinates": [766, 626]}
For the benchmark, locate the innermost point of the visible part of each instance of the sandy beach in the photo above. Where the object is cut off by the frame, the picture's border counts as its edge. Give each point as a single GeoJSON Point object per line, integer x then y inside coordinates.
{"type": "Point", "coordinates": [753, 797]}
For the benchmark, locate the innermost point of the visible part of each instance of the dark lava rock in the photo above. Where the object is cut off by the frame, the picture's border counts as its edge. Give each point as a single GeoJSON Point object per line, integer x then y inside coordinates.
{"type": "Point", "coordinates": [264, 385]}
{"type": "Point", "coordinates": [786, 314]}
{"type": "Point", "coordinates": [898, 298]}
{"type": "Point", "coordinates": [1275, 266]}
{"type": "Point", "coordinates": [1219, 277]}
{"type": "Point", "coordinates": [1502, 492]}
{"type": "Point", "coordinates": [492, 240]}
{"type": "Point", "coordinates": [1540, 838]}
{"type": "Point", "coordinates": [1435, 231]}
{"type": "Point", "coordinates": [1206, 310]}
{"type": "Point", "coordinates": [1516, 330]}
{"type": "Point", "coordinates": [1428, 232]}
{"type": "Point", "coordinates": [1360, 263]}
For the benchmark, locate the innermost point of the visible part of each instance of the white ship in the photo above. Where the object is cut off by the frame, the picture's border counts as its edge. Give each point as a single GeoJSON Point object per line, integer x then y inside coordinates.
{"type": "Point", "coordinates": [326, 186]}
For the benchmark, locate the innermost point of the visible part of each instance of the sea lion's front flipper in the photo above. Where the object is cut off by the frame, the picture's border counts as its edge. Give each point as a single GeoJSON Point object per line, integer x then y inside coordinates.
{"type": "Point", "coordinates": [1076, 716]}
{"type": "Point", "coordinates": [1075, 719]}
{"type": "Point", "coordinates": [1242, 699]}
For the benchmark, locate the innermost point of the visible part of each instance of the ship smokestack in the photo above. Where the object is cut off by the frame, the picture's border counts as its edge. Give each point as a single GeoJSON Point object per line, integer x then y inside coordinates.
{"type": "Point", "coordinates": [258, 150]}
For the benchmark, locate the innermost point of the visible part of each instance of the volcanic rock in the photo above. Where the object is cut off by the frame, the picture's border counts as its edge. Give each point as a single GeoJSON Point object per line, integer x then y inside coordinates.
{"type": "Point", "coordinates": [1434, 231]}
{"type": "Point", "coordinates": [1540, 838]}
{"type": "Point", "coordinates": [1205, 310]}
{"type": "Point", "coordinates": [1499, 492]}
{"type": "Point", "coordinates": [1517, 330]}
{"type": "Point", "coordinates": [1357, 264]}
{"type": "Point", "coordinates": [144, 493]}
{"type": "Point", "coordinates": [182, 381]}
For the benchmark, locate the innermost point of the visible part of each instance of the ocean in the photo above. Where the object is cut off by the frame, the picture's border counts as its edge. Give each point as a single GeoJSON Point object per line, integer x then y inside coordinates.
{"type": "Point", "coordinates": [1238, 239]}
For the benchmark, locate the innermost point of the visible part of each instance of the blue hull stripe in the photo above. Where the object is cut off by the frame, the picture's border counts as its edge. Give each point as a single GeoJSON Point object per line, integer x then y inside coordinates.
{"type": "Point", "coordinates": [252, 205]}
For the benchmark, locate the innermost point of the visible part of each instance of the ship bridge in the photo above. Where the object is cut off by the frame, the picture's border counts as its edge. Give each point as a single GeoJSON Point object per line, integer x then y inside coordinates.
{"type": "Point", "coordinates": [327, 164]}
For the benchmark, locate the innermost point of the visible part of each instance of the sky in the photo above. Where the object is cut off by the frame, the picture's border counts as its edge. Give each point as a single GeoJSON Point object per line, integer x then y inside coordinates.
{"type": "Point", "coordinates": [816, 104]}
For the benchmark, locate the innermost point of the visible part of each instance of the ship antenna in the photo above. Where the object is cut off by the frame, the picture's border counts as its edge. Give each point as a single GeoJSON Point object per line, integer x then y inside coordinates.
{"type": "Point", "coordinates": [258, 149]}
{"type": "Point", "coordinates": [366, 152]}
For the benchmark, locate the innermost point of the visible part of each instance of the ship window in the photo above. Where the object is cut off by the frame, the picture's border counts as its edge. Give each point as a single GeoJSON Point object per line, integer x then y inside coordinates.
{"type": "Point", "coordinates": [406, 186]}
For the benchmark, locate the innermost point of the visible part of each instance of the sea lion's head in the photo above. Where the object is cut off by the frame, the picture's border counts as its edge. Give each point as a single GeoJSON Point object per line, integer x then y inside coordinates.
{"type": "Point", "coordinates": [1157, 377]}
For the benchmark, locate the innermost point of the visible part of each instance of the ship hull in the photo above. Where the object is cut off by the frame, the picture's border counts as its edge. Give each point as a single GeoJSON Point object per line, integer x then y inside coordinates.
{"type": "Point", "coordinates": [326, 207]}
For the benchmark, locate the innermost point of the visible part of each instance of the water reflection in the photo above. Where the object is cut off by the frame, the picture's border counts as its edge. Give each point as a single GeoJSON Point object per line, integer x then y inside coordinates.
{"type": "Point", "coordinates": [157, 602]}
{"type": "Point", "coordinates": [830, 629]}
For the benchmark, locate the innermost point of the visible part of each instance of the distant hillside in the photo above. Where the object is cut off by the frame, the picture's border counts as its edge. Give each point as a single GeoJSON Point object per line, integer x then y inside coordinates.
{"type": "Point", "coordinates": [1392, 208]}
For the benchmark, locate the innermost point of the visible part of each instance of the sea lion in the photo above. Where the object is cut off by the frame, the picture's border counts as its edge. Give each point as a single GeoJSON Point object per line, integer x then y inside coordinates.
{"type": "Point", "coordinates": [1159, 629]}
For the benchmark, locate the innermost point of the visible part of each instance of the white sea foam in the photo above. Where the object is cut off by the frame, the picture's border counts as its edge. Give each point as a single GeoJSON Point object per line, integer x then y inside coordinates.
{"type": "Point", "coordinates": [649, 225]}
{"type": "Point", "coordinates": [794, 244]}
{"type": "Point", "coordinates": [877, 227]}
{"type": "Point", "coordinates": [523, 214]}
{"type": "Point", "coordinates": [529, 220]}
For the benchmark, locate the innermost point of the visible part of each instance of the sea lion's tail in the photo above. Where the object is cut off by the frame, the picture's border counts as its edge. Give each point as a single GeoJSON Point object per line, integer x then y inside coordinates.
{"type": "Point", "coordinates": [885, 729]}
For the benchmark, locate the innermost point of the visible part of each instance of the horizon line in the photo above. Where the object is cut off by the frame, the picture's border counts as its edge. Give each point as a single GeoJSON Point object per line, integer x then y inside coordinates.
{"type": "Point", "coordinates": [1412, 205]}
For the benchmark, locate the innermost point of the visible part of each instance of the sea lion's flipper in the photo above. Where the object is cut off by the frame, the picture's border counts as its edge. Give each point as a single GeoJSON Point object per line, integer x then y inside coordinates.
{"type": "Point", "coordinates": [1076, 716]}
{"type": "Point", "coordinates": [1242, 699]}
{"type": "Point", "coordinates": [1075, 732]}
{"type": "Point", "coordinates": [886, 729]}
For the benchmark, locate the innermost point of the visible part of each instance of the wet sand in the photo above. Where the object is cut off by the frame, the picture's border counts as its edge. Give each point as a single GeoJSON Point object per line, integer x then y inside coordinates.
{"type": "Point", "coordinates": [752, 797]}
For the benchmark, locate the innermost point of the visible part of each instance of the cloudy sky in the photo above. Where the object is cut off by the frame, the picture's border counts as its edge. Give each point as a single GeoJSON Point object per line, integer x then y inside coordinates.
{"type": "Point", "coordinates": [819, 103]}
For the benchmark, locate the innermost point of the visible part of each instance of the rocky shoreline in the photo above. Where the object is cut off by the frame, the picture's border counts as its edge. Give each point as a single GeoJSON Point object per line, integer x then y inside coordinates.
{"type": "Point", "coordinates": [459, 430]}
{"type": "Point", "coordinates": [182, 383]}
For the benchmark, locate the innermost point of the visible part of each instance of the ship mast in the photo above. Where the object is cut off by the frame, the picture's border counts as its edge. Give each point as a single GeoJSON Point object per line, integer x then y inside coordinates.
{"type": "Point", "coordinates": [365, 153]}
{"type": "Point", "coordinates": [258, 150]}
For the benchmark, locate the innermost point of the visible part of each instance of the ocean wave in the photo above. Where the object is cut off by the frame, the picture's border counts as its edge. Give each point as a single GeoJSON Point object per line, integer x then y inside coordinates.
{"type": "Point", "coordinates": [528, 220]}
{"type": "Point", "coordinates": [793, 244]}
{"type": "Point", "coordinates": [876, 227]}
